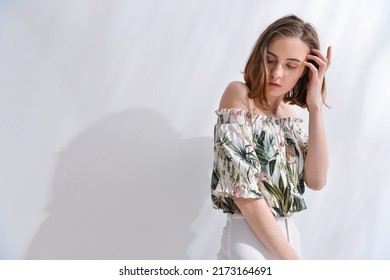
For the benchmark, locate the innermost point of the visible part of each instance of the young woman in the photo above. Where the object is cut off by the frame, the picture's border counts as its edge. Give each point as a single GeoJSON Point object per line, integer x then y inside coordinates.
{"type": "Point", "coordinates": [263, 158]}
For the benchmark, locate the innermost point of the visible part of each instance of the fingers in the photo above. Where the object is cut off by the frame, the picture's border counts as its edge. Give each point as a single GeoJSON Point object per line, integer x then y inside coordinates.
{"type": "Point", "coordinates": [312, 68]}
{"type": "Point", "coordinates": [322, 61]}
{"type": "Point", "coordinates": [329, 55]}
{"type": "Point", "coordinates": [319, 54]}
{"type": "Point", "coordinates": [319, 58]}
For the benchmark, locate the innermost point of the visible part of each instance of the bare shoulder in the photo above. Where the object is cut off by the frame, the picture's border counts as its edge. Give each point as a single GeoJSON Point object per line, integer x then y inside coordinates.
{"type": "Point", "coordinates": [235, 96]}
{"type": "Point", "coordinates": [289, 110]}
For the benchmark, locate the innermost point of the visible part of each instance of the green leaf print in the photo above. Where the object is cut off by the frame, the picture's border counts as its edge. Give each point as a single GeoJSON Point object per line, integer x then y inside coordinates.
{"type": "Point", "coordinates": [271, 166]}
{"type": "Point", "coordinates": [287, 200]}
{"type": "Point", "coordinates": [290, 141]}
{"type": "Point", "coordinates": [291, 174]}
{"type": "Point", "coordinates": [226, 204]}
{"type": "Point", "coordinates": [301, 183]}
{"type": "Point", "coordinates": [278, 211]}
{"type": "Point", "coordinates": [265, 150]}
{"type": "Point", "coordinates": [299, 204]}
{"type": "Point", "coordinates": [214, 178]}
{"type": "Point", "coordinates": [242, 152]}
{"type": "Point", "coordinates": [222, 139]}
{"type": "Point", "coordinates": [281, 184]}
{"type": "Point", "coordinates": [273, 190]}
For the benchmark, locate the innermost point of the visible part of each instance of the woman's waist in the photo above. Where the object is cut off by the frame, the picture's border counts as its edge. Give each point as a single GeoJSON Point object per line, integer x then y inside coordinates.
{"type": "Point", "coordinates": [239, 216]}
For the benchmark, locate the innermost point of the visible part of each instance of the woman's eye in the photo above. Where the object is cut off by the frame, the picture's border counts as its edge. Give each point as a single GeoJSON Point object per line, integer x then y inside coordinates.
{"type": "Point", "coordinates": [291, 66]}
{"type": "Point", "coordinates": [270, 61]}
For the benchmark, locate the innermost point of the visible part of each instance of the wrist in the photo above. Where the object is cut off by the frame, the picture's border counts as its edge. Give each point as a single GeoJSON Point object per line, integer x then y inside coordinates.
{"type": "Point", "coordinates": [314, 109]}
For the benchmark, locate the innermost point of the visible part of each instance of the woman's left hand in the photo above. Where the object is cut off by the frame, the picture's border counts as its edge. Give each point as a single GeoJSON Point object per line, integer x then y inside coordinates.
{"type": "Point", "coordinates": [314, 98]}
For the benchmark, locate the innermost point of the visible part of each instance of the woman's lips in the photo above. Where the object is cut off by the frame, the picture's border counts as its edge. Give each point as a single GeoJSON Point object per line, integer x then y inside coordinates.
{"type": "Point", "coordinates": [274, 85]}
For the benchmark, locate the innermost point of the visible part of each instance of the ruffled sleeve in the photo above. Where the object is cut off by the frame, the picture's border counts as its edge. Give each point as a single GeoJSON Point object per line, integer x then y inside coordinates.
{"type": "Point", "coordinates": [236, 169]}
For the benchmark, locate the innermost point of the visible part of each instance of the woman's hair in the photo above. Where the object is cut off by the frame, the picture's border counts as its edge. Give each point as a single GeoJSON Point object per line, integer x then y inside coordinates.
{"type": "Point", "coordinates": [256, 74]}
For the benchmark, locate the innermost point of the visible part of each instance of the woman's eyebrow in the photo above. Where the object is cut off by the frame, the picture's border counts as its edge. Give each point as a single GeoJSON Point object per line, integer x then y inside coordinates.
{"type": "Point", "coordinates": [293, 59]}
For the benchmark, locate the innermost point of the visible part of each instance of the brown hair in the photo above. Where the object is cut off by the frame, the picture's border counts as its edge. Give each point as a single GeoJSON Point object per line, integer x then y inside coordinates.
{"type": "Point", "coordinates": [256, 74]}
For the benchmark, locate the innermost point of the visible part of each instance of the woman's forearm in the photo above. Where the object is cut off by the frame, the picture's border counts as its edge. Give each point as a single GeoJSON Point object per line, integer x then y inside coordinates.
{"type": "Point", "coordinates": [316, 162]}
{"type": "Point", "coordinates": [259, 217]}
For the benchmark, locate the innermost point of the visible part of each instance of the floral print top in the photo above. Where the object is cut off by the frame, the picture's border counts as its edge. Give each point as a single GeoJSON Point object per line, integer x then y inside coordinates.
{"type": "Point", "coordinates": [258, 156]}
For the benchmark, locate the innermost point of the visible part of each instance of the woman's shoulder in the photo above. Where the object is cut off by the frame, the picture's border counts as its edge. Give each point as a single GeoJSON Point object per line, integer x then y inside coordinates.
{"type": "Point", "coordinates": [235, 96]}
{"type": "Point", "coordinates": [289, 111]}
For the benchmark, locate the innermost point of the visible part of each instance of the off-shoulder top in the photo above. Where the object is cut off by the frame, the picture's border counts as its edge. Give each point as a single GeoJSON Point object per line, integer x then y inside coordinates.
{"type": "Point", "coordinates": [257, 156]}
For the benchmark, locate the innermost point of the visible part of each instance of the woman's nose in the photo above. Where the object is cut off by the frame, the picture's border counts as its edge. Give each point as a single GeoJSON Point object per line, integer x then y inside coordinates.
{"type": "Point", "coordinates": [277, 71]}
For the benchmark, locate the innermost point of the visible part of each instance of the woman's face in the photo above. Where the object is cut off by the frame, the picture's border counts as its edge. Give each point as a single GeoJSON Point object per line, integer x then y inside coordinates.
{"type": "Point", "coordinates": [285, 58]}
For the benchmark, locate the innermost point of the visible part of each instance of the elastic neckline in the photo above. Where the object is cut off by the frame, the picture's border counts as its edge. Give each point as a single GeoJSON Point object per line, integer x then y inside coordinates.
{"type": "Point", "coordinates": [254, 114]}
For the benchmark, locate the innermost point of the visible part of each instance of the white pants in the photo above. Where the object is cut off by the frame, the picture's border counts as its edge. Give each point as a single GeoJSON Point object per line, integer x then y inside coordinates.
{"type": "Point", "coordinates": [239, 242]}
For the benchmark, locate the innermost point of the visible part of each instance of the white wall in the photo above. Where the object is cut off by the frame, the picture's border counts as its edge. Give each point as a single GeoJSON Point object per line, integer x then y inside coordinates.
{"type": "Point", "coordinates": [107, 114]}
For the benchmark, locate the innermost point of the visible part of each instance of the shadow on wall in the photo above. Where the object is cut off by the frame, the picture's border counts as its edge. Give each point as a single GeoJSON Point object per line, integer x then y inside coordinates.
{"type": "Point", "coordinates": [126, 188]}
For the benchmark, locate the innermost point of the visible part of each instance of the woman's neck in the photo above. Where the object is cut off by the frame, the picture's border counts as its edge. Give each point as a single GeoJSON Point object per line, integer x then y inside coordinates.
{"type": "Point", "coordinates": [275, 108]}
